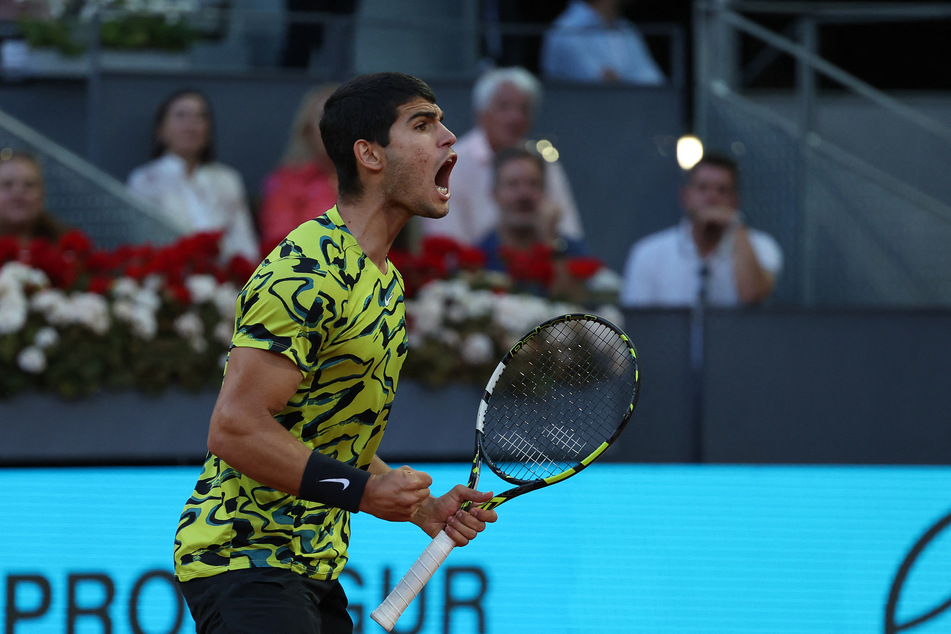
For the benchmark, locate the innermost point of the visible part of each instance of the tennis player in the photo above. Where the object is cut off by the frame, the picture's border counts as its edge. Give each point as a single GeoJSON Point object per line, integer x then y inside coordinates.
{"type": "Point", "coordinates": [319, 339]}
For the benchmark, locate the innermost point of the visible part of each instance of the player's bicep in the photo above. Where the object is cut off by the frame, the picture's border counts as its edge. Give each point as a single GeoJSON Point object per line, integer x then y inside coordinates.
{"type": "Point", "coordinates": [258, 377]}
{"type": "Point", "coordinates": [257, 385]}
{"type": "Point", "coordinates": [243, 431]}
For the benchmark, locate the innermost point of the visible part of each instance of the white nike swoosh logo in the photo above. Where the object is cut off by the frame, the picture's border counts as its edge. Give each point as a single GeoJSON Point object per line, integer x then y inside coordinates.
{"type": "Point", "coordinates": [388, 298]}
{"type": "Point", "coordinates": [342, 481]}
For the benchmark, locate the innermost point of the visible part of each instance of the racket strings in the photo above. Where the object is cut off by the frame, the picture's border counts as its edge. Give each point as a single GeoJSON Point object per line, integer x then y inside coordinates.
{"type": "Point", "coordinates": [563, 394]}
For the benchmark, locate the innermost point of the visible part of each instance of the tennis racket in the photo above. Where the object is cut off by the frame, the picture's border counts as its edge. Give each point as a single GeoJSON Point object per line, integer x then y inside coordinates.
{"type": "Point", "coordinates": [556, 401]}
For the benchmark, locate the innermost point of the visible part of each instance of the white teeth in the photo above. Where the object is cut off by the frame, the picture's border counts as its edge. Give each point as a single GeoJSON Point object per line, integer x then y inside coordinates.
{"type": "Point", "coordinates": [442, 190]}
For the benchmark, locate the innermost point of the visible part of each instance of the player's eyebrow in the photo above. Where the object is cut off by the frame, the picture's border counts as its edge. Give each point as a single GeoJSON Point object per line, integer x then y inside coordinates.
{"type": "Point", "coordinates": [431, 111]}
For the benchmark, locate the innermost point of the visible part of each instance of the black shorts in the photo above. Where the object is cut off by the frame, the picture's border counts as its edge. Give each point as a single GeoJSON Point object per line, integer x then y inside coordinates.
{"type": "Point", "coordinates": [266, 600]}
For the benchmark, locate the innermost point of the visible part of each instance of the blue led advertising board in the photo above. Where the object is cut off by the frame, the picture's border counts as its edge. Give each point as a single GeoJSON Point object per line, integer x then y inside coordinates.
{"type": "Point", "coordinates": [619, 548]}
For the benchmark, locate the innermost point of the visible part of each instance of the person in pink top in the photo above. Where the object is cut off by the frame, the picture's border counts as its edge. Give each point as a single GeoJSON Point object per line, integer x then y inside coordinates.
{"type": "Point", "coordinates": [304, 185]}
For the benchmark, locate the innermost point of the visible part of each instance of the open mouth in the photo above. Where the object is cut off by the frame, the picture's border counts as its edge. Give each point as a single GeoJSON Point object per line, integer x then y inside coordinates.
{"type": "Point", "coordinates": [442, 176]}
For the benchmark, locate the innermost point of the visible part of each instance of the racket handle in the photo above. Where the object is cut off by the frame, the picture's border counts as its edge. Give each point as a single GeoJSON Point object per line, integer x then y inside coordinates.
{"type": "Point", "coordinates": [413, 581]}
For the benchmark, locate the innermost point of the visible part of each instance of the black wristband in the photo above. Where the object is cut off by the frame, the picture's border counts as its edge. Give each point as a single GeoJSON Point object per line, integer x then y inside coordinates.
{"type": "Point", "coordinates": [329, 481]}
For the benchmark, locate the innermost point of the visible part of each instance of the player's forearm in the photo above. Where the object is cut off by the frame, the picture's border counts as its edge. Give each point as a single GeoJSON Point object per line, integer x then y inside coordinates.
{"type": "Point", "coordinates": [259, 447]}
{"type": "Point", "coordinates": [378, 466]}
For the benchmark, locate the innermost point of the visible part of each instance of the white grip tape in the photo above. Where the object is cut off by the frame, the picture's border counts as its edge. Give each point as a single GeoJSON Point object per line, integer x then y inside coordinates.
{"type": "Point", "coordinates": [413, 581]}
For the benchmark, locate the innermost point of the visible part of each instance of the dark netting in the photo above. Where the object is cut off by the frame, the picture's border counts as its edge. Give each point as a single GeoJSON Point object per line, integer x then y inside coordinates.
{"type": "Point", "coordinates": [563, 394]}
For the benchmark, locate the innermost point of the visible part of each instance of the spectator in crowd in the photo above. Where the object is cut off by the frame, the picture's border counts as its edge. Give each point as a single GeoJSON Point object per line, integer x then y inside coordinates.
{"type": "Point", "coordinates": [592, 42]}
{"type": "Point", "coordinates": [23, 213]}
{"type": "Point", "coordinates": [304, 186]}
{"type": "Point", "coordinates": [711, 257]}
{"type": "Point", "coordinates": [504, 101]}
{"type": "Point", "coordinates": [519, 191]}
{"type": "Point", "coordinates": [184, 180]}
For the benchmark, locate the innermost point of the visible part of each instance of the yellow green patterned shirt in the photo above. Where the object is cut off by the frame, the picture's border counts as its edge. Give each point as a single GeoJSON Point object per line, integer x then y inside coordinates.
{"type": "Point", "coordinates": [318, 300]}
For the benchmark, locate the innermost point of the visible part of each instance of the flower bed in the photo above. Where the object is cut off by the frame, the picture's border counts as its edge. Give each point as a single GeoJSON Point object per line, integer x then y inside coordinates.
{"type": "Point", "coordinates": [74, 319]}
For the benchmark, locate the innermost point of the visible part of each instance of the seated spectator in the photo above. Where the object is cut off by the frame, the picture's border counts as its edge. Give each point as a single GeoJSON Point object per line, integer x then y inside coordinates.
{"type": "Point", "coordinates": [184, 180]}
{"type": "Point", "coordinates": [526, 244]}
{"type": "Point", "coordinates": [592, 42]}
{"type": "Point", "coordinates": [504, 100]}
{"type": "Point", "coordinates": [527, 220]}
{"type": "Point", "coordinates": [304, 186]}
{"type": "Point", "coordinates": [23, 213]}
{"type": "Point", "coordinates": [711, 257]}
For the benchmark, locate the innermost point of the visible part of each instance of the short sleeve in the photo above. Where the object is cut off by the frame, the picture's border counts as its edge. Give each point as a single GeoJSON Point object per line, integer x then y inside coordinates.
{"type": "Point", "coordinates": [284, 309]}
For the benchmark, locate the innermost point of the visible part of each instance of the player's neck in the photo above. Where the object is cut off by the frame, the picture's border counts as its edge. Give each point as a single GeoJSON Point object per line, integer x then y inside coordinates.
{"type": "Point", "coordinates": [373, 226]}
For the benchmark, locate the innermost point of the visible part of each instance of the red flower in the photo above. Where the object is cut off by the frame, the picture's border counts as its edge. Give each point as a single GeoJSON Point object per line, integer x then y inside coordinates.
{"type": "Point", "coordinates": [62, 269]}
{"type": "Point", "coordinates": [471, 259]}
{"type": "Point", "coordinates": [137, 272]}
{"type": "Point", "coordinates": [179, 293]}
{"type": "Point", "coordinates": [75, 241]}
{"type": "Point", "coordinates": [439, 246]}
{"type": "Point", "coordinates": [240, 269]}
{"type": "Point", "coordinates": [533, 266]}
{"type": "Point", "coordinates": [9, 249]}
{"type": "Point", "coordinates": [431, 266]}
{"type": "Point", "coordinates": [402, 260]}
{"type": "Point", "coordinates": [583, 267]}
{"type": "Point", "coordinates": [102, 262]}
{"type": "Point", "coordinates": [99, 284]}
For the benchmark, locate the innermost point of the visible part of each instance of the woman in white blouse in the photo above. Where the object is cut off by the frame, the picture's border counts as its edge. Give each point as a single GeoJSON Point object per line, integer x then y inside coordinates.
{"type": "Point", "coordinates": [184, 180]}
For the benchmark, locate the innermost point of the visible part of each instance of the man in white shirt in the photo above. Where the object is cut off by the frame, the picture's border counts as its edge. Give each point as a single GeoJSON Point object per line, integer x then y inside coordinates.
{"type": "Point", "coordinates": [504, 101]}
{"type": "Point", "coordinates": [711, 256]}
{"type": "Point", "coordinates": [592, 42]}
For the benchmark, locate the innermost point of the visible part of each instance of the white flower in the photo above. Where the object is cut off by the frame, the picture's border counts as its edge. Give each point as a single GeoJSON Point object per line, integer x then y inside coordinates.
{"type": "Point", "coordinates": [456, 312]}
{"type": "Point", "coordinates": [92, 311]}
{"type": "Point", "coordinates": [604, 281]}
{"type": "Point", "coordinates": [477, 349]}
{"type": "Point", "coordinates": [517, 314]}
{"type": "Point", "coordinates": [426, 315]}
{"type": "Point", "coordinates": [153, 282]}
{"type": "Point", "coordinates": [140, 318]}
{"type": "Point", "coordinates": [223, 332]}
{"type": "Point", "coordinates": [201, 288]}
{"type": "Point", "coordinates": [198, 344]}
{"type": "Point", "coordinates": [31, 360]}
{"type": "Point", "coordinates": [225, 298]}
{"type": "Point", "coordinates": [85, 309]}
{"type": "Point", "coordinates": [148, 298]}
{"type": "Point", "coordinates": [189, 326]}
{"type": "Point", "coordinates": [449, 337]}
{"type": "Point", "coordinates": [14, 275]}
{"type": "Point", "coordinates": [125, 288]}
{"type": "Point", "coordinates": [612, 313]}
{"type": "Point", "coordinates": [46, 337]}
{"type": "Point", "coordinates": [479, 303]}
{"type": "Point", "coordinates": [13, 311]}
{"type": "Point", "coordinates": [48, 301]}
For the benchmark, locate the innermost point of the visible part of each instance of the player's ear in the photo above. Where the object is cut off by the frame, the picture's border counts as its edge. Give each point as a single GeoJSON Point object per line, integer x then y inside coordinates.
{"type": "Point", "coordinates": [369, 155]}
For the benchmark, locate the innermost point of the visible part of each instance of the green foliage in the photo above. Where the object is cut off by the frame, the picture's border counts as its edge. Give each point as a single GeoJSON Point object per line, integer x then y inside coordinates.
{"type": "Point", "coordinates": [55, 34]}
{"type": "Point", "coordinates": [147, 32]}
{"type": "Point", "coordinates": [120, 31]}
